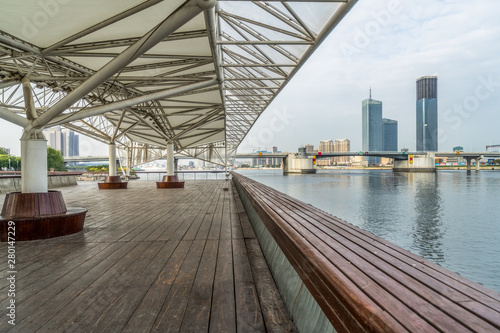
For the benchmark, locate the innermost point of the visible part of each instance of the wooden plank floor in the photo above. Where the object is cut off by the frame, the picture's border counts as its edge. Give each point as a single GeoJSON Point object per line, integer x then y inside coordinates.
{"type": "Point", "coordinates": [148, 260]}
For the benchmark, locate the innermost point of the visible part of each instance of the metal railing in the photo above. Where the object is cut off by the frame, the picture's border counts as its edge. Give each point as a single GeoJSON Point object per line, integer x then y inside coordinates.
{"type": "Point", "coordinates": [183, 175]}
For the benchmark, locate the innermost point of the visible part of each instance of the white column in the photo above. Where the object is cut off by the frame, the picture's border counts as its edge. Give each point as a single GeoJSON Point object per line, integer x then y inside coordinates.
{"type": "Point", "coordinates": [34, 165]}
{"type": "Point", "coordinates": [478, 163]}
{"type": "Point", "coordinates": [170, 160]}
{"type": "Point", "coordinates": [129, 160]}
{"type": "Point", "coordinates": [112, 159]}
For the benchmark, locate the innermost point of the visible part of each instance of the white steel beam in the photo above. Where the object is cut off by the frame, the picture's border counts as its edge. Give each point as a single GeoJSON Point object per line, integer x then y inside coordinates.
{"type": "Point", "coordinates": [173, 22]}
{"type": "Point", "coordinates": [93, 111]}
{"type": "Point", "coordinates": [13, 117]}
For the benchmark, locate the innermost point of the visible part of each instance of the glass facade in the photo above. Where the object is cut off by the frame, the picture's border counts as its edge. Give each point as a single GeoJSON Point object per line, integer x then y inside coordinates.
{"type": "Point", "coordinates": [372, 136]}
{"type": "Point", "coordinates": [427, 124]}
{"type": "Point", "coordinates": [427, 114]}
{"type": "Point", "coordinates": [390, 131]}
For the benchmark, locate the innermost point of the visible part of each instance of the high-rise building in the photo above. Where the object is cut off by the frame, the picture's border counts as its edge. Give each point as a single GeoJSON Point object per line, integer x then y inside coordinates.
{"type": "Point", "coordinates": [342, 146]}
{"type": "Point", "coordinates": [326, 146]}
{"type": "Point", "coordinates": [372, 136]}
{"type": "Point", "coordinates": [309, 149]}
{"type": "Point", "coordinates": [427, 114]}
{"type": "Point", "coordinates": [390, 132]}
{"type": "Point", "coordinates": [53, 136]}
{"type": "Point", "coordinates": [64, 140]}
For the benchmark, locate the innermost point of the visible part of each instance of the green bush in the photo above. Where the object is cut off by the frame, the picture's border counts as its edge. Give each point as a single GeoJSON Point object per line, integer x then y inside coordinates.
{"type": "Point", "coordinates": [55, 160]}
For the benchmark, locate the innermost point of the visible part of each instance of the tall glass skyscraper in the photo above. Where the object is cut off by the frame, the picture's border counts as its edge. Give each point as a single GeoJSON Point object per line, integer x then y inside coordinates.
{"type": "Point", "coordinates": [427, 114]}
{"type": "Point", "coordinates": [390, 131]}
{"type": "Point", "coordinates": [372, 136]}
{"type": "Point", "coordinates": [64, 140]}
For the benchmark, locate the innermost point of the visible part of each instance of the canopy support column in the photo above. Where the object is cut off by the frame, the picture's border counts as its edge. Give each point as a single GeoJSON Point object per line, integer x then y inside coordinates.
{"type": "Point", "coordinates": [112, 181]}
{"type": "Point", "coordinates": [171, 180]}
{"type": "Point", "coordinates": [170, 160]}
{"type": "Point", "coordinates": [34, 164]}
{"type": "Point", "coordinates": [37, 213]}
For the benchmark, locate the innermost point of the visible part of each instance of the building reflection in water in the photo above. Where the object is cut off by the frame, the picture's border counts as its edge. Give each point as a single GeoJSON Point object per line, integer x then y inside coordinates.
{"type": "Point", "coordinates": [380, 199]}
{"type": "Point", "coordinates": [428, 226]}
{"type": "Point", "coordinates": [418, 226]}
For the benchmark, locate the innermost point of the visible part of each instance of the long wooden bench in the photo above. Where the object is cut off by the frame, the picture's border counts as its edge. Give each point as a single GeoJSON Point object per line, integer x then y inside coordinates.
{"type": "Point", "coordinates": [364, 283]}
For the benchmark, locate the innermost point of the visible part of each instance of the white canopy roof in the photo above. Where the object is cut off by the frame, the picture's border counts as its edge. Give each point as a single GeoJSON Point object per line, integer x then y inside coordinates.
{"type": "Point", "coordinates": [197, 73]}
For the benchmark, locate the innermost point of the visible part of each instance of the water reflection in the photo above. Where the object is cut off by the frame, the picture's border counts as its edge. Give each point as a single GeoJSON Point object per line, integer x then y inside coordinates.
{"type": "Point", "coordinates": [380, 203]}
{"type": "Point", "coordinates": [428, 225]}
{"type": "Point", "coordinates": [448, 217]}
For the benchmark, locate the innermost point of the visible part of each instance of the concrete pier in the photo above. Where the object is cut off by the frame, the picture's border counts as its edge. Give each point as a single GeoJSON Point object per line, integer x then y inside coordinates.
{"type": "Point", "coordinates": [298, 165]}
{"type": "Point", "coordinates": [416, 163]}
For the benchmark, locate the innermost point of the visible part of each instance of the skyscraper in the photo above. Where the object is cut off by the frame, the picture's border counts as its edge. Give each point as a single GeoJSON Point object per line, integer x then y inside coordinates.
{"type": "Point", "coordinates": [427, 114]}
{"type": "Point", "coordinates": [372, 136]}
{"type": "Point", "coordinates": [342, 146]}
{"type": "Point", "coordinates": [326, 146]}
{"type": "Point", "coordinates": [390, 132]}
{"type": "Point", "coordinates": [64, 140]}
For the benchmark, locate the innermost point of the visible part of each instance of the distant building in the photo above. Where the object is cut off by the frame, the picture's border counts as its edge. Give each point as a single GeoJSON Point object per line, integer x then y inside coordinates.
{"type": "Point", "coordinates": [390, 133]}
{"type": "Point", "coordinates": [263, 160]}
{"type": "Point", "coordinates": [342, 146]}
{"type": "Point", "coordinates": [64, 140]}
{"type": "Point", "coordinates": [309, 149]}
{"type": "Point", "coordinates": [53, 136]}
{"type": "Point", "coordinates": [372, 136]}
{"type": "Point", "coordinates": [302, 152]}
{"type": "Point", "coordinates": [493, 149]}
{"type": "Point", "coordinates": [326, 146]}
{"type": "Point", "coordinates": [427, 114]}
{"type": "Point", "coordinates": [70, 143]}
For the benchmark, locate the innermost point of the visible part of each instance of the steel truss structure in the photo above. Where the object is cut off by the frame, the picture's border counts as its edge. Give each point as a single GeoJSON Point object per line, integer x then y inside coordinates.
{"type": "Point", "coordinates": [144, 73]}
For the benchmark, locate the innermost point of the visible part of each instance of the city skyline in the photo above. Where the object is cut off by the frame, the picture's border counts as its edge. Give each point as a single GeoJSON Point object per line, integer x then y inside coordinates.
{"type": "Point", "coordinates": [453, 40]}
{"type": "Point", "coordinates": [64, 140]}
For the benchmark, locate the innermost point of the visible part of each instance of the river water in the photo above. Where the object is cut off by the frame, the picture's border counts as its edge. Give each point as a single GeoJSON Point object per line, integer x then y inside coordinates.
{"type": "Point", "coordinates": [448, 217]}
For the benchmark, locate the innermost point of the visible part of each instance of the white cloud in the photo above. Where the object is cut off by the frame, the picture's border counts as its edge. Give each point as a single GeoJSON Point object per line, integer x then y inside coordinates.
{"type": "Point", "coordinates": [455, 39]}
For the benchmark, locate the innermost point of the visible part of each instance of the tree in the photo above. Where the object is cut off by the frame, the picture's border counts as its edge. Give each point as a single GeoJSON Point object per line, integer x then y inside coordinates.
{"type": "Point", "coordinates": [55, 160]}
{"type": "Point", "coordinates": [9, 161]}
{"type": "Point", "coordinates": [3, 151]}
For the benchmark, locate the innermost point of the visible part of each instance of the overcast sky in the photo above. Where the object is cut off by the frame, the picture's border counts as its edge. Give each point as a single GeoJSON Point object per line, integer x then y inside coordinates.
{"type": "Point", "coordinates": [457, 40]}
{"type": "Point", "coordinates": [385, 45]}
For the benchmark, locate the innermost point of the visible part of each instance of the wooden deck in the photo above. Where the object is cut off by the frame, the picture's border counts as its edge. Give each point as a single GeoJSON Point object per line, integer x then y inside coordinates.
{"type": "Point", "coordinates": [169, 260]}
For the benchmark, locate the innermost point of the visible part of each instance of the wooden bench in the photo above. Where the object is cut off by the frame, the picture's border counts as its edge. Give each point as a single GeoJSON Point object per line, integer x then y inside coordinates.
{"type": "Point", "coordinates": [363, 282]}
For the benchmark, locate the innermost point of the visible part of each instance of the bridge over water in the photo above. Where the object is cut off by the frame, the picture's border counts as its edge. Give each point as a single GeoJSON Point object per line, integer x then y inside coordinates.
{"type": "Point", "coordinates": [403, 161]}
